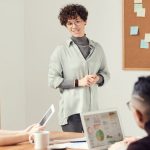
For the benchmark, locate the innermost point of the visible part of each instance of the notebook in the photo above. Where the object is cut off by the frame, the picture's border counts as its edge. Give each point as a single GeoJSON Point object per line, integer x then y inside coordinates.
{"type": "Point", "coordinates": [102, 129]}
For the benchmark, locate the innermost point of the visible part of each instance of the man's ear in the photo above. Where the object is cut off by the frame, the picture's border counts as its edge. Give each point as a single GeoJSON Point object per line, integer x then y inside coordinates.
{"type": "Point", "coordinates": [140, 118]}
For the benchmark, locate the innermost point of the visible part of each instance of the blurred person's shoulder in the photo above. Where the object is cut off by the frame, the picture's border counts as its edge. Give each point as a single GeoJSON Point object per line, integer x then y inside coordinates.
{"type": "Point", "coordinates": [142, 144]}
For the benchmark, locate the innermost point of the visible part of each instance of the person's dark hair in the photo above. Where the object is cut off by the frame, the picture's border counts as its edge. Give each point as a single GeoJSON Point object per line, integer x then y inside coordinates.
{"type": "Point", "coordinates": [72, 11]}
{"type": "Point", "coordinates": [142, 89]}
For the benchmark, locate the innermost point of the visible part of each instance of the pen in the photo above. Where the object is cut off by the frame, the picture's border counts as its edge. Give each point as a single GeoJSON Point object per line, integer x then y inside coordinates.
{"type": "Point", "coordinates": [77, 141]}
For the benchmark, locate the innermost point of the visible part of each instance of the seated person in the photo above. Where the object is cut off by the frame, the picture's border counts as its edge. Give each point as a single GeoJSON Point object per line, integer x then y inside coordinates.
{"type": "Point", "coordinates": [14, 137]}
{"type": "Point", "coordinates": [140, 107]}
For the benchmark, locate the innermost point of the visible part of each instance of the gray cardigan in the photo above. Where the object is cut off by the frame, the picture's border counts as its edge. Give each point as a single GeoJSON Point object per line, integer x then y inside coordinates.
{"type": "Point", "coordinates": [67, 62]}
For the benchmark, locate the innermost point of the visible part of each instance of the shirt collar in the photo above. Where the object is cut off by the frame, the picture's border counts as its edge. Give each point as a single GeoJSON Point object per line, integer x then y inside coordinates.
{"type": "Point", "coordinates": [70, 42]}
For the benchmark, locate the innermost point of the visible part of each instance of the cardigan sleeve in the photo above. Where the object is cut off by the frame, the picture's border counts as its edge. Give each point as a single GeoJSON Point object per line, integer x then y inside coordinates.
{"type": "Point", "coordinates": [67, 84]}
{"type": "Point", "coordinates": [103, 71]}
{"type": "Point", "coordinates": [55, 71]}
{"type": "Point", "coordinates": [55, 77]}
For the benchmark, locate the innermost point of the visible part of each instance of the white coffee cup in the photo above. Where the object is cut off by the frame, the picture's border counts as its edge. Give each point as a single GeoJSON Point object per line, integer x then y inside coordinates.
{"type": "Point", "coordinates": [41, 140]}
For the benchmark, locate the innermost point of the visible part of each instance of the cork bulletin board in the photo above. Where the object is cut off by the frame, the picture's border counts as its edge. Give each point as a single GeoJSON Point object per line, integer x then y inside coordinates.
{"type": "Point", "coordinates": [136, 37]}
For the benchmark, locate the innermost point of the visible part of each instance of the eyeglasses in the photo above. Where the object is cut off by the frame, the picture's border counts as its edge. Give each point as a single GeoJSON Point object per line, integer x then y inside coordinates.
{"type": "Point", "coordinates": [76, 22]}
{"type": "Point", "coordinates": [129, 105]}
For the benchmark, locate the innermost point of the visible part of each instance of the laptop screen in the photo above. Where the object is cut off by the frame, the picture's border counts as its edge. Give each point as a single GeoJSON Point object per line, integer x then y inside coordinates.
{"type": "Point", "coordinates": [102, 128]}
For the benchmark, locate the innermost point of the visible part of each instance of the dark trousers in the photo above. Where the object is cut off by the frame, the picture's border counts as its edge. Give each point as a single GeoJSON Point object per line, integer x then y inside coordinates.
{"type": "Point", "coordinates": [74, 124]}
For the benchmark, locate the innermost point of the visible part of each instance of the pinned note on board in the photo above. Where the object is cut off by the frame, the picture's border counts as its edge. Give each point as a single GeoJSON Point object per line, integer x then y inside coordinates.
{"type": "Point", "coordinates": [137, 7]}
{"type": "Point", "coordinates": [134, 30]}
{"type": "Point", "coordinates": [147, 37]}
{"type": "Point", "coordinates": [144, 44]}
{"type": "Point", "coordinates": [141, 12]}
{"type": "Point", "coordinates": [138, 1]}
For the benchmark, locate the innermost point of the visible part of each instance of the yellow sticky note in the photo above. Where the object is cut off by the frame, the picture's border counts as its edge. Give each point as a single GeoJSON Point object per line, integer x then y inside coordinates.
{"type": "Point", "coordinates": [141, 12]}
{"type": "Point", "coordinates": [137, 7]}
{"type": "Point", "coordinates": [138, 1]}
{"type": "Point", "coordinates": [147, 37]}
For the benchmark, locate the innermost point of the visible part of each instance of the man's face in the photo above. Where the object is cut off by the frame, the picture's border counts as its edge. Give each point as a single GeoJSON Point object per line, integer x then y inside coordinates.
{"type": "Point", "coordinates": [76, 27]}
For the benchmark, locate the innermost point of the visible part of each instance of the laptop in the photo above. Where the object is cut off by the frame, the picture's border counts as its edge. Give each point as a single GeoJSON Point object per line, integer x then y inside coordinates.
{"type": "Point", "coordinates": [102, 129]}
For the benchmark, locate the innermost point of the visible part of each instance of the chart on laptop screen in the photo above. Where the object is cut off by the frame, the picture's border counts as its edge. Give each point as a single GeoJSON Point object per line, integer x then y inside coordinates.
{"type": "Point", "coordinates": [102, 128]}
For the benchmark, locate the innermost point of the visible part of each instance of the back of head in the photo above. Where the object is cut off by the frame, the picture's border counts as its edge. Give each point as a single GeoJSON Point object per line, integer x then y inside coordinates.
{"type": "Point", "coordinates": [142, 89]}
{"type": "Point", "coordinates": [72, 11]}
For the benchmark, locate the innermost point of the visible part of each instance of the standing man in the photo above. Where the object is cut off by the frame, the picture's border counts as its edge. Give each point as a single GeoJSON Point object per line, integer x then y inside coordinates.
{"type": "Point", "coordinates": [77, 68]}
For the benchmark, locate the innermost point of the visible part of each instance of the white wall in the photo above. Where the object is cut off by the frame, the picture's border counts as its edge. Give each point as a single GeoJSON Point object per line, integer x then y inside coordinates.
{"type": "Point", "coordinates": [12, 64]}
{"type": "Point", "coordinates": [43, 33]}
{"type": "Point", "coordinates": [41, 36]}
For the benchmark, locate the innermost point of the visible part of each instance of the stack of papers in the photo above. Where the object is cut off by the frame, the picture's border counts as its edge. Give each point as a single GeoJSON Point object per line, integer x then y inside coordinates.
{"type": "Point", "coordinates": [74, 145]}
{"type": "Point", "coordinates": [83, 139]}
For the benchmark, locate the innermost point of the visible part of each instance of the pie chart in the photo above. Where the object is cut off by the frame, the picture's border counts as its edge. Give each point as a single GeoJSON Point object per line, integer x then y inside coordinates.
{"type": "Point", "coordinates": [100, 135]}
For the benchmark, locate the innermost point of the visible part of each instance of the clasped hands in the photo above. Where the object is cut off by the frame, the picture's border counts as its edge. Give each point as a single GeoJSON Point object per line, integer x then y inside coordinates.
{"type": "Point", "coordinates": [89, 80]}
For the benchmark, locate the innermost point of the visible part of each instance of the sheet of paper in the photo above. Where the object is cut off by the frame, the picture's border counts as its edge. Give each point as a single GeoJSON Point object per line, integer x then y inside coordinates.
{"type": "Point", "coordinates": [83, 139]}
{"type": "Point", "coordinates": [134, 30]}
{"type": "Point", "coordinates": [147, 37]}
{"type": "Point", "coordinates": [144, 44]}
{"type": "Point", "coordinates": [58, 146]}
{"type": "Point", "coordinates": [78, 145]}
{"type": "Point", "coordinates": [75, 145]}
{"type": "Point", "coordinates": [137, 7]}
{"type": "Point", "coordinates": [138, 1]}
{"type": "Point", "coordinates": [141, 12]}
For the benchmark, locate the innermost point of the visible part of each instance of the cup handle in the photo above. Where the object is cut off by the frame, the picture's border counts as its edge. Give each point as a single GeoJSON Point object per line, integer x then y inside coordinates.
{"type": "Point", "coordinates": [31, 139]}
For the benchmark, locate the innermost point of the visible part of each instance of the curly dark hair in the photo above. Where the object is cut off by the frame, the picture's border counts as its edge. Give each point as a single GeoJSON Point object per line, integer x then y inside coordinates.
{"type": "Point", "coordinates": [72, 11]}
